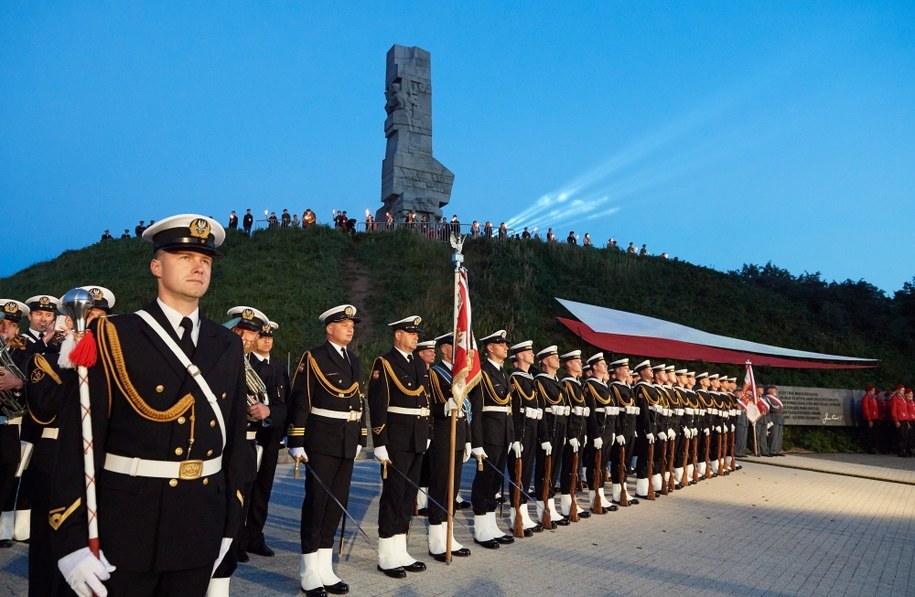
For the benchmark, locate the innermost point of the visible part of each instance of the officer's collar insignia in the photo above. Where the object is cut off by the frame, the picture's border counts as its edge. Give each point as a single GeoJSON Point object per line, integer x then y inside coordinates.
{"type": "Point", "coordinates": [199, 228]}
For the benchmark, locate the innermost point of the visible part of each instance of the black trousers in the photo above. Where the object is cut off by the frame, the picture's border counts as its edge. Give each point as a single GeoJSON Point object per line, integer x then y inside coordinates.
{"type": "Point", "coordinates": [641, 453]}
{"type": "Point", "coordinates": [529, 448]}
{"type": "Point", "coordinates": [557, 426]}
{"type": "Point", "coordinates": [320, 513]}
{"type": "Point", "coordinates": [178, 583]}
{"type": "Point", "coordinates": [252, 536]}
{"type": "Point", "coordinates": [569, 462]}
{"type": "Point", "coordinates": [398, 496]}
{"type": "Point", "coordinates": [437, 456]}
{"type": "Point", "coordinates": [488, 482]}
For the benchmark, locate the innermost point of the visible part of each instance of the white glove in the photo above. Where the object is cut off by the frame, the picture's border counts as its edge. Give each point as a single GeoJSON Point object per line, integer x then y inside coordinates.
{"type": "Point", "coordinates": [547, 447]}
{"type": "Point", "coordinates": [381, 454]}
{"type": "Point", "coordinates": [686, 433]}
{"type": "Point", "coordinates": [706, 431]}
{"type": "Point", "coordinates": [635, 434]}
{"type": "Point", "coordinates": [718, 428]}
{"type": "Point", "coordinates": [358, 449]}
{"type": "Point", "coordinates": [466, 452]}
{"type": "Point", "coordinates": [598, 443]}
{"type": "Point", "coordinates": [85, 572]}
{"type": "Point", "coordinates": [428, 443]}
{"type": "Point", "coordinates": [733, 429]}
{"type": "Point", "coordinates": [769, 425]}
{"type": "Point", "coordinates": [650, 437]}
{"type": "Point", "coordinates": [695, 432]}
{"type": "Point", "coordinates": [662, 436]}
{"type": "Point", "coordinates": [478, 452]}
{"type": "Point", "coordinates": [450, 406]}
{"type": "Point", "coordinates": [575, 444]}
{"type": "Point", "coordinates": [621, 440]}
{"type": "Point", "coordinates": [517, 448]}
{"type": "Point", "coordinates": [671, 434]}
{"type": "Point", "coordinates": [223, 550]}
{"type": "Point", "coordinates": [299, 454]}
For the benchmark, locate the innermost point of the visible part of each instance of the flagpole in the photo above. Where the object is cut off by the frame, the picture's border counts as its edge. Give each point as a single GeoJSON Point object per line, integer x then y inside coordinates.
{"type": "Point", "coordinates": [458, 259]}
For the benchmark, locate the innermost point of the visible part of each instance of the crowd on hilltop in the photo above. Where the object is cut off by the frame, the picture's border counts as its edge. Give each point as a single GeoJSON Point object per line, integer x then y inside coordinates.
{"type": "Point", "coordinates": [889, 419]}
{"type": "Point", "coordinates": [437, 229]}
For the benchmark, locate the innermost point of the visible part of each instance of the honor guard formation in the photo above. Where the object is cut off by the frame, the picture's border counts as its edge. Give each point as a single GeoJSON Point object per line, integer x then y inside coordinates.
{"type": "Point", "coordinates": [139, 450]}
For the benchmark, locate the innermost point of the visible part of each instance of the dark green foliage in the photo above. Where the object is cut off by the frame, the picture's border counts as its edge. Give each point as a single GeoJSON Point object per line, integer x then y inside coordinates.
{"type": "Point", "coordinates": [294, 274]}
{"type": "Point", "coordinates": [823, 439]}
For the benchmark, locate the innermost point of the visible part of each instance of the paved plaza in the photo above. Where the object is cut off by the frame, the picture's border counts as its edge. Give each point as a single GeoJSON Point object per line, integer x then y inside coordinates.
{"type": "Point", "coordinates": [801, 525]}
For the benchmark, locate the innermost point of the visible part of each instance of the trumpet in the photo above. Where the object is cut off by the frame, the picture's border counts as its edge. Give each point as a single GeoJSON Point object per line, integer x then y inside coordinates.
{"type": "Point", "coordinates": [12, 404]}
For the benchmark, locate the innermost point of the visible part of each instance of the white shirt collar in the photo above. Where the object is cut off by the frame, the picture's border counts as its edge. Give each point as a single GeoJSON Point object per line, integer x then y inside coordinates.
{"type": "Point", "coordinates": [337, 347]}
{"type": "Point", "coordinates": [174, 318]}
{"type": "Point", "coordinates": [408, 356]}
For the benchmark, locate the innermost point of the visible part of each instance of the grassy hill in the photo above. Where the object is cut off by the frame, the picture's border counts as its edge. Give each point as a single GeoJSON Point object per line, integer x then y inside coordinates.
{"type": "Point", "coordinates": [295, 274]}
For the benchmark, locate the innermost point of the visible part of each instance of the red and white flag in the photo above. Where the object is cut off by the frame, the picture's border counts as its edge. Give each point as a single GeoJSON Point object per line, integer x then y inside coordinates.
{"type": "Point", "coordinates": [755, 409]}
{"type": "Point", "coordinates": [466, 358]}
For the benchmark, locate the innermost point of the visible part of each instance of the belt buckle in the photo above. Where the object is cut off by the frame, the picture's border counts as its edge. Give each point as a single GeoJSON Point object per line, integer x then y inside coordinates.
{"type": "Point", "coordinates": [354, 415]}
{"type": "Point", "coordinates": [189, 470]}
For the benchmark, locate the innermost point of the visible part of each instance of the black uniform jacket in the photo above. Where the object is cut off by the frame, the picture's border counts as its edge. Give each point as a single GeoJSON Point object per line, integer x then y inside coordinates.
{"type": "Point", "coordinates": [402, 384]}
{"type": "Point", "coordinates": [324, 380]}
{"type": "Point", "coordinates": [145, 405]}
{"type": "Point", "coordinates": [492, 428]}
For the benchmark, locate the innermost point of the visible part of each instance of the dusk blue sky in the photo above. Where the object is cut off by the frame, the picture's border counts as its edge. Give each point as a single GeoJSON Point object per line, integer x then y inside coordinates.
{"type": "Point", "coordinates": [721, 132]}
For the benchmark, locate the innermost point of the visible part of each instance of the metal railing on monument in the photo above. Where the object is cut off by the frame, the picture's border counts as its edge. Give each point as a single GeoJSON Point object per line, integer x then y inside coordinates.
{"type": "Point", "coordinates": [434, 231]}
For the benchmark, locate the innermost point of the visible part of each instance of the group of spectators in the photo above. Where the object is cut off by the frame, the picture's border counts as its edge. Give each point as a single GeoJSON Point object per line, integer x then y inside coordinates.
{"type": "Point", "coordinates": [889, 419]}
{"type": "Point", "coordinates": [138, 231]}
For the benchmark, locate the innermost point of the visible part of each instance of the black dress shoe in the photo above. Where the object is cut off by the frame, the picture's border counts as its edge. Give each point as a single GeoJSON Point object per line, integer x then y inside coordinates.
{"type": "Point", "coordinates": [319, 592]}
{"type": "Point", "coordinates": [6, 543]}
{"type": "Point", "coordinates": [488, 544]}
{"type": "Point", "coordinates": [422, 512]}
{"type": "Point", "coordinates": [463, 505]}
{"type": "Point", "coordinates": [584, 514]}
{"type": "Point", "coordinates": [505, 539]}
{"type": "Point", "coordinates": [739, 466]}
{"type": "Point", "coordinates": [393, 572]}
{"type": "Point", "coordinates": [537, 528]}
{"type": "Point", "coordinates": [242, 556]}
{"type": "Point", "coordinates": [439, 557]}
{"type": "Point", "coordinates": [461, 553]}
{"type": "Point", "coordinates": [261, 550]}
{"type": "Point", "coordinates": [552, 526]}
{"type": "Point", "coordinates": [338, 588]}
{"type": "Point", "coordinates": [612, 508]}
{"type": "Point", "coordinates": [563, 522]}
{"type": "Point", "coordinates": [529, 532]}
{"type": "Point", "coordinates": [415, 567]}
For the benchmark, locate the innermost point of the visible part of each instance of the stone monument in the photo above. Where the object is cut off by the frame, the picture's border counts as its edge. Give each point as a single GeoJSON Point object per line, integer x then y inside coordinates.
{"type": "Point", "coordinates": [411, 179]}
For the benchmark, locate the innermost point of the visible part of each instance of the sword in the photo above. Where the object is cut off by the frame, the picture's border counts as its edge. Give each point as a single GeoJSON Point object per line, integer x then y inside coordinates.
{"type": "Point", "coordinates": [333, 497]}
{"type": "Point", "coordinates": [418, 488]}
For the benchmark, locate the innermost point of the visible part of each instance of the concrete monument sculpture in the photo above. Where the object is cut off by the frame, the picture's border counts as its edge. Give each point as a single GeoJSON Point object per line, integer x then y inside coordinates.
{"type": "Point", "coordinates": [411, 179]}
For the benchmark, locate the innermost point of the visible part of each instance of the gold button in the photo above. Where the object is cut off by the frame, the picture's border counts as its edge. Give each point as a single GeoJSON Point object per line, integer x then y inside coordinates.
{"type": "Point", "coordinates": [181, 420]}
{"type": "Point", "coordinates": [179, 451]}
{"type": "Point", "coordinates": [209, 452]}
{"type": "Point", "coordinates": [173, 482]}
{"type": "Point", "coordinates": [224, 395]}
{"type": "Point", "coordinates": [212, 423]}
{"type": "Point", "coordinates": [206, 481]}
{"type": "Point", "coordinates": [160, 389]}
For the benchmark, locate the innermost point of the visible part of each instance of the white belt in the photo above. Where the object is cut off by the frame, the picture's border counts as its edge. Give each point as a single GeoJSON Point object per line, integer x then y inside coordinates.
{"type": "Point", "coordinates": [601, 409]}
{"type": "Point", "coordinates": [49, 433]}
{"type": "Point", "coordinates": [496, 409]}
{"type": "Point", "coordinates": [533, 413]}
{"type": "Point", "coordinates": [579, 411]}
{"type": "Point", "coordinates": [343, 415]}
{"type": "Point", "coordinates": [186, 470]}
{"type": "Point", "coordinates": [251, 435]}
{"type": "Point", "coordinates": [690, 411]}
{"type": "Point", "coordinates": [701, 412]}
{"type": "Point", "coordinates": [679, 412]}
{"type": "Point", "coordinates": [559, 411]}
{"type": "Point", "coordinates": [8, 421]}
{"type": "Point", "coordinates": [713, 411]}
{"type": "Point", "coordinates": [415, 412]}
{"type": "Point", "coordinates": [665, 412]}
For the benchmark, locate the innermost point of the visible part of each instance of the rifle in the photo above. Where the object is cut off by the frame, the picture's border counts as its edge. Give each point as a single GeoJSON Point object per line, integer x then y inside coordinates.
{"type": "Point", "coordinates": [734, 450]}
{"type": "Point", "coordinates": [671, 483]}
{"type": "Point", "coordinates": [597, 507]}
{"type": "Point", "coordinates": [723, 451]}
{"type": "Point", "coordinates": [624, 497]}
{"type": "Point", "coordinates": [664, 464]}
{"type": "Point", "coordinates": [708, 449]}
{"type": "Point", "coordinates": [547, 519]}
{"type": "Point", "coordinates": [573, 488]}
{"type": "Point", "coordinates": [684, 479]}
{"type": "Point", "coordinates": [518, 526]}
{"type": "Point", "coordinates": [650, 471]}
{"type": "Point", "coordinates": [694, 442]}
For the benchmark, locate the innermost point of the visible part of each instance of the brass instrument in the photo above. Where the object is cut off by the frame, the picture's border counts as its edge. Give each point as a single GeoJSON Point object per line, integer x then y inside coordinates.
{"type": "Point", "coordinates": [12, 404]}
{"type": "Point", "coordinates": [257, 389]}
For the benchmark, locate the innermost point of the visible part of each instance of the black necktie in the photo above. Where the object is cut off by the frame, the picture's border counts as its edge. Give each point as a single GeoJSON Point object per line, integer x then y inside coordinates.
{"type": "Point", "coordinates": [345, 356]}
{"type": "Point", "coordinates": [187, 342]}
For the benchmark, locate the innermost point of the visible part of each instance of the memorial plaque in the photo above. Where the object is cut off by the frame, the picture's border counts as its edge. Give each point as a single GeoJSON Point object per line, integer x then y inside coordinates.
{"type": "Point", "coordinates": [818, 406]}
{"type": "Point", "coordinates": [411, 178]}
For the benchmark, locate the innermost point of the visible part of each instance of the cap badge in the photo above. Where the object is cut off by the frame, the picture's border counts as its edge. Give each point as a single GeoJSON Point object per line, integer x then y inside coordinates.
{"type": "Point", "coordinates": [416, 321]}
{"type": "Point", "coordinates": [349, 311]}
{"type": "Point", "coordinates": [44, 301]}
{"type": "Point", "coordinates": [11, 307]}
{"type": "Point", "coordinates": [199, 228]}
{"type": "Point", "coordinates": [97, 294]}
{"type": "Point", "coordinates": [247, 314]}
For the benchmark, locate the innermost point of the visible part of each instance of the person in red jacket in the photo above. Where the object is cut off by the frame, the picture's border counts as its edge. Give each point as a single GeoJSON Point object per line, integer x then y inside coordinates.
{"type": "Point", "coordinates": [871, 412]}
{"type": "Point", "coordinates": [899, 414]}
{"type": "Point", "coordinates": [910, 408]}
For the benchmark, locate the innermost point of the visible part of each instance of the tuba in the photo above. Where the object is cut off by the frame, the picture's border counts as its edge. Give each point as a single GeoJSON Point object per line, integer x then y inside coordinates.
{"type": "Point", "coordinates": [12, 404]}
{"type": "Point", "coordinates": [257, 389]}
